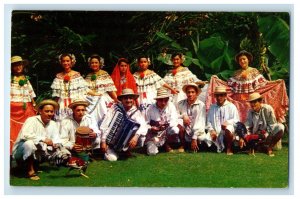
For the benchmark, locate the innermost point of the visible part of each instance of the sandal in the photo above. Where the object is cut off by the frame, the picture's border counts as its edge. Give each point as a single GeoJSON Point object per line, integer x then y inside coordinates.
{"type": "Point", "coordinates": [33, 177]}
{"type": "Point", "coordinates": [270, 152]}
{"type": "Point", "coordinates": [181, 149]}
{"type": "Point", "coordinates": [168, 149]}
{"type": "Point", "coordinates": [229, 152]}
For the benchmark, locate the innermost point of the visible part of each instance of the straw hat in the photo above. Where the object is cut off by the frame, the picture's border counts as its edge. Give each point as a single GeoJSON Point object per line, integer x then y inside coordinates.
{"type": "Point", "coordinates": [246, 53]}
{"type": "Point", "coordinates": [15, 59]}
{"type": "Point", "coordinates": [254, 96]}
{"type": "Point", "coordinates": [191, 85]}
{"type": "Point", "coordinates": [48, 102]}
{"type": "Point", "coordinates": [220, 90]}
{"type": "Point", "coordinates": [162, 93]}
{"type": "Point", "coordinates": [128, 92]}
{"type": "Point", "coordinates": [78, 102]}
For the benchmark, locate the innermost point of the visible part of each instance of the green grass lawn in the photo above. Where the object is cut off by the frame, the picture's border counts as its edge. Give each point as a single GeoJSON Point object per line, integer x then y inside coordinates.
{"type": "Point", "coordinates": [204, 169]}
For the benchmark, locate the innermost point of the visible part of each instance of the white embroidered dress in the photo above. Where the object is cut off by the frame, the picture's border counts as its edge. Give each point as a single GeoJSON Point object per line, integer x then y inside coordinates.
{"type": "Point", "coordinates": [147, 88]}
{"type": "Point", "coordinates": [67, 91]}
{"type": "Point", "coordinates": [99, 104]}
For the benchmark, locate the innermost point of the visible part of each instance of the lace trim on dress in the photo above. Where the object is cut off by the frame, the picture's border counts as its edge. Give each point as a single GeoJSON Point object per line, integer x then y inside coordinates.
{"type": "Point", "coordinates": [103, 82]}
{"type": "Point", "coordinates": [76, 87]}
{"type": "Point", "coordinates": [246, 81]}
{"type": "Point", "coordinates": [150, 80]}
{"type": "Point", "coordinates": [181, 78]}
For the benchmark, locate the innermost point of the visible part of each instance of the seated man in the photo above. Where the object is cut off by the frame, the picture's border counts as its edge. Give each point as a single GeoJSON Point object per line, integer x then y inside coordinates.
{"type": "Point", "coordinates": [261, 120]}
{"type": "Point", "coordinates": [162, 120]}
{"type": "Point", "coordinates": [131, 112]}
{"type": "Point", "coordinates": [39, 133]}
{"type": "Point", "coordinates": [221, 120]}
{"type": "Point", "coordinates": [192, 117]}
{"type": "Point", "coordinates": [72, 124]}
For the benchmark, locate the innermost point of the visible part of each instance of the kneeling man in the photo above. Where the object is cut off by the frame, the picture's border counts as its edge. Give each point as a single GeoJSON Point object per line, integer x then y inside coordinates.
{"type": "Point", "coordinates": [79, 121]}
{"type": "Point", "coordinates": [192, 117]}
{"type": "Point", "coordinates": [162, 120]}
{"type": "Point", "coordinates": [221, 120]}
{"type": "Point", "coordinates": [261, 120]}
{"type": "Point", "coordinates": [110, 122]}
{"type": "Point", "coordinates": [39, 133]}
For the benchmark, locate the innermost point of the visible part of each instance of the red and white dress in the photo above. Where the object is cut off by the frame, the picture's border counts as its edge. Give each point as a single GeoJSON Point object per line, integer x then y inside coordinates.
{"type": "Point", "coordinates": [21, 107]}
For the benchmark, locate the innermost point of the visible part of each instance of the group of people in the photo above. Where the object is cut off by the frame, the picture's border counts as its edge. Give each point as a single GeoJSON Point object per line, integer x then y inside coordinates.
{"type": "Point", "coordinates": [115, 114]}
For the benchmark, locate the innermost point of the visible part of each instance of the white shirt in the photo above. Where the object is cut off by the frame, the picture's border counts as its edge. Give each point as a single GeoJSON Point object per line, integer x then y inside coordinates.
{"type": "Point", "coordinates": [167, 115]}
{"type": "Point", "coordinates": [197, 114]}
{"type": "Point", "coordinates": [68, 128]}
{"type": "Point", "coordinates": [217, 115]}
{"type": "Point", "coordinates": [34, 129]}
{"type": "Point", "coordinates": [137, 117]}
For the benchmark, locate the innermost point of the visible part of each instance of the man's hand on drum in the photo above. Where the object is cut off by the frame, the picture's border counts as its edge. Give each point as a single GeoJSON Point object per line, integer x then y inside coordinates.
{"type": "Point", "coordinates": [48, 142]}
{"type": "Point", "coordinates": [103, 147]}
{"type": "Point", "coordinates": [213, 135]}
{"type": "Point", "coordinates": [92, 135]}
{"type": "Point", "coordinates": [133, 142]}
{"type": "Point", "coordinates": [154, 129]}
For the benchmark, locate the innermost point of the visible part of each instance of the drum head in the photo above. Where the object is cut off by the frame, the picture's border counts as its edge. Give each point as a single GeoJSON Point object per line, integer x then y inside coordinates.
{"type": "Point", "coordinates": [83, 130]}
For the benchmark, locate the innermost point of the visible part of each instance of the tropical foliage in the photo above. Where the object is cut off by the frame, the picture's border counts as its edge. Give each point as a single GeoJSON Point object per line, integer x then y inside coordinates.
{"type": "Point", "coordinates": [209, 40]}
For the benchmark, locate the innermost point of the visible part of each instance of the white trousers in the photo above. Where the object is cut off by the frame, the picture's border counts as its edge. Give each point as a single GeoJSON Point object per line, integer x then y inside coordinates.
{"type": "Point", "coordinates": [24, 150]}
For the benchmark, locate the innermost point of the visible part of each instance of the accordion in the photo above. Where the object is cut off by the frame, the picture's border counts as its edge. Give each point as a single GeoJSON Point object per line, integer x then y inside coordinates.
{"type": "Point", "coordinates": [120, 130]}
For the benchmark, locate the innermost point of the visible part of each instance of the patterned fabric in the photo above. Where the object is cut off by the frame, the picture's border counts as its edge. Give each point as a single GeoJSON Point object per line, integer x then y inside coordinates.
{"type": "Point", "coordinates": [246, 81]}
{"type": "Point", "coordinates": [273, 93]}
{"type": "Point", "coordinates": [21, 93]}
{"type": "Point", "coordinates": [147, 86]}
{"type": "Point", "coordinates": [178, 80]}
{"type": "Point", "coordinates": [75, 88]}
